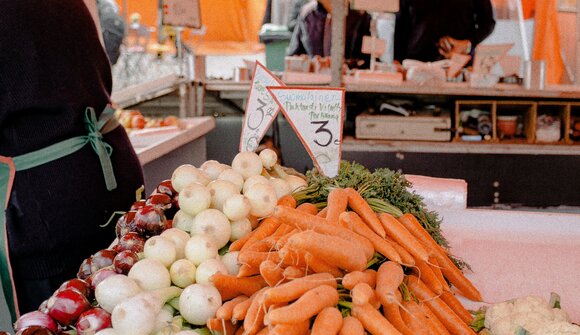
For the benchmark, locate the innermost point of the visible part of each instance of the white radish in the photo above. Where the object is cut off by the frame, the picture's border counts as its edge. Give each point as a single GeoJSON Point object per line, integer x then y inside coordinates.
{"type": "Point", "coordinates": [262, 198]}
{"type": "Point", "coordinates": [199, 248]}
{"type": "Point", "coordinates": [220, 191]}
{"type": "Point", "coordinates": [138, 315]}
{"type": "Point", "coordinates": [207, 269]}
{"type": "Point", "coordinates": [295, 182]}
{"type": "Point", "coordinates": [247, 163]}
{"type": "Point", "coordinates": [182, 220]}
{"type": "Point", "coordinates": [150, 274]}
{"type": "Point", "coordinates": [257, 179]}
{"type": "Point", "coordinates": [213, 168]}
{"type": "Point", "coordinates": [179, 239]}
{"type": "Point", "coordinates": [213, 223]}
{"type": "Point", "coordinates": [268, 158]}
{"type": "Point", "coordinates": [199, 303]}
{"type": "Point", "coordinates": [233, 176]}
{"type": "Point", "coordinates": [115, 289]}
{"type": "Point", "coordinates": [231, 262]}
{"type": "Point", "coordinates": [236, 207]}
{"type": "Point", "coordinates": [194, 198]}
{"type": "Point", "coordinates": [161, 249]}
{"type": "Point", "coordinates": [106, 331]}
{"type": "Point", "coordinates": [281, 187]}
{"type": "Point", "coordinates": [182, 273]}
{"type": "Point", "coordinates": [240, 229]}
{"type": "Point", "coordinates": [186, 174]}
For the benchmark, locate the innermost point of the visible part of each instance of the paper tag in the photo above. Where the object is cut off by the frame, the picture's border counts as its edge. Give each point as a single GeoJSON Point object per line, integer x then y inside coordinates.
{"type": "Point", "coordinates": [261, 109]}
{"type": "Point", "coordinates": [317, 117]}
{"type": "Point", "coordinates": [181, 13]}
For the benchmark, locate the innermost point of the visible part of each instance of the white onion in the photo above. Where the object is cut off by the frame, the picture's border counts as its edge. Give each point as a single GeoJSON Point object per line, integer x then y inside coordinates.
{"type": "Point", "coordinates": [179, 238]}
{"type": "Point", "coordinates": [214, 224]}
{"type": "Point", "coordinates": [182, 220]}
{"type": "Point", "coordinates": [230, 260]}
{"type": "Point", "coordinates": [262, 198]}
{"type": "Point", "coordinates": [213, 168]}
{"type": "Point", "coordinates": [199, 248]}
{"type": "Point", "coordinates": [236, 207]}
{"type": "Point", "coordinates": [199, 303]}
{"type": "Point", "coordinates": [257, 179]}
{"type": "Point", "coordinates": [187, 173]}
{"type": "Point", "coordinates": [268, 158]}
{"type": "Point", "coordinates": [240, 229]}
{"type": "Point", "coordinates": [281, 187]}
{"type": "Point", "coordinates": [247, 163]}
{"type": "Point", "coordinates": [194, 198]}
{"type": "Point", "coordinates": [207, 269]}
{"type": "Point", "coordinates": [295, 182]}
{"type": "Point", "coordinates": [161, 249]}
{"type": "Point", "coordinates": [220, 191]}
{"type": "Point", "coordinates": [233, 176]}
{"type": "Point", "coordinates": [182, 273]}
{"type": "Point", "coordinates": [150, 274]}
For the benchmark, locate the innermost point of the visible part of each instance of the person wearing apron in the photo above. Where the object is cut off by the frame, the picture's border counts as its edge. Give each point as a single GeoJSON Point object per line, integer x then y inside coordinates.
{"type": "Point", "coordinates": [64, 166]}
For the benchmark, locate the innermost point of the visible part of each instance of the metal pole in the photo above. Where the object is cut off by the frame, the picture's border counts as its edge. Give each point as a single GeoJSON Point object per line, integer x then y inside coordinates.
{"type": "Point", "coordinates": [339, 12]}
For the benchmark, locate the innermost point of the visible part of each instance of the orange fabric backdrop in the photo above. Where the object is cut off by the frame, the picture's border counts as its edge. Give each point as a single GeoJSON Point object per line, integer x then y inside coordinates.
{"type": "Point", "coordinates": [225, 20]}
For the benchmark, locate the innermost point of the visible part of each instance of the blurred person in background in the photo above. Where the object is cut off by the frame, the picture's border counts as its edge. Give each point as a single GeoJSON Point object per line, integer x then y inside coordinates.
{"type": "Point", "coordinates": [112, 27]}
{"type": "Point", "coordinates": [65, 165]}
{"type": "Point", "coordinates": [433, 30]}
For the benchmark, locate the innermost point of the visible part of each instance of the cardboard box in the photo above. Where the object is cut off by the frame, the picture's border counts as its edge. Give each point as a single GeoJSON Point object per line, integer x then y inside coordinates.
{"type": "Point", "coordinates": [388, 127]}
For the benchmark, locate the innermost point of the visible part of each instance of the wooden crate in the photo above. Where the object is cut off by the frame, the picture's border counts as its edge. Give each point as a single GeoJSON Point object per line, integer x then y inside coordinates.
{"type": "Point", "coordinates": [561, 109]}
{"type": "Point", "coordinates": [464, 105]}
{"type": "Point", "coordinates": [526, 112]}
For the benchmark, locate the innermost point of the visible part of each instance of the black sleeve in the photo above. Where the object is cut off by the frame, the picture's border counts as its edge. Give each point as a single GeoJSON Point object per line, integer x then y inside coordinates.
{"type": "Point", "coordinates": [268, 13]}
{"type": "Point", "coordinates": [402, 31]}
{"type": "Point", "coordinates": [484, 20]}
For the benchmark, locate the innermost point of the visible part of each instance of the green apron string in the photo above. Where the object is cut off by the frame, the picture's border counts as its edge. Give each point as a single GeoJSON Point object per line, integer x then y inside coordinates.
{"type": "Point", "coordinates": [9, 166]}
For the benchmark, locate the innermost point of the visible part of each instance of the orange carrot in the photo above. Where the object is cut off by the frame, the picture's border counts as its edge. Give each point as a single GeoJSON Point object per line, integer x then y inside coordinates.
{"type": "Point", "coordinates": [451, 300]}
{"type": "Point", "coordinates": [240, 331]}
{"type": "Point", "coordinates": [225, 310]}
{"type": "Point", "coordinates": [406, 258]}
{"type": "Point", "coordinates": [368, 276]}
{"type": "Point", "coordinates": [308, 305]}
{"type": "Point", "coordinates": [448, 268]}
{"type": "Point", "coordinates": [232, 286]}
{"type": "Point", "coordinates": [283, 230]}
{"type": "Point", "coordinates": [239, 243]}
{"type": "Point", "coordinates": [351, 326]}
{"type": "Point", "coordinates": [327, 322]}
{"type": "Point", "coordinates": [305, 221]}
{"type": "Point", "coordinates": [352, 221]}
{"type": "Point", "coordinates": [293, 272]}
{"type": "Point", "coordinates": [282, 240]}
{"type": "Point", "coordinates": [267, 244]}
{"type": "Point", "coordinates": [434, 264]}
{"type": "Point", "coordinates": [248, 270]}
{"type": "Point", "coordinates": [362, 208]}
{"type": "Point", "coordinates": [241, 309]}
{"type": "Point", "coordinates": [444, 313]}
{"type": "Point", "coordinates": [255, 258]}
{"type": "Point", "coordinates": [401, 235]}
{"type": "Point", "coordinates": [266, 228]}
{"type": "Point", "coordinates": [392, 312]}
{"type": "Point", "coordinates": [435, 323]}
{"type": "Point", "coordinates": [254, 220]}
{"type": "Point", "coordinates": [372, 320]}
{"type": "Point", "coordinates": [333, 249]}
{"type": "Point", "coordinates": [307, 207]}
{"type": "Point", "coordinates": [426, 274]}
{"type": "Point", "coordinates": [299, 328]}
{"type": "Point", "coordinates": [293, 289]}
{"type": "Point", "coordinates": [323, 212]}
{"type": "Point", "coordinates": [390, 275]}
{"type": "Point", "coordinates": [254, 320]}
{"type": "Point", "coordinates": [264, 331]}
{"type": "Point", "coordinates": [414, 318]}
{"type": "Point", "coordinates": [272, 273]}
{"type": "Point", "coordinates": [363, 293]}
{"type": "Point", "coordinates": [287, 200]}
{"type": "Point", "coordinates": [318, 265]}
{"type": "Point", "coordinates": [221, 326]}
{"type": "Point", "coordinates": [337, 202]}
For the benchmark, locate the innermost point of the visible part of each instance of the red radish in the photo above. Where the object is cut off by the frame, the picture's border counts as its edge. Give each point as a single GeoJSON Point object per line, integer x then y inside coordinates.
{"type": "Point", "coordinates": [150, 221]}
{"type": "Point", "coordinates": [35, 318]}
{"type": "Point", "coordinates": [78, 284]}
{"type": "Point", "coordinates": [166, 187]}
{"type": "Point", "coordinates": [131, 241]}
{"type": "Point", "coordinates": [67, 305]}
{"type": "Point", "coordinates": [159, 200]}
{"type": "Point", "coordinates": [35, 330]}
{"type": "Point", "coordinates": [85, 269]}
{"type": "Point", "coordinates": [102, 259]}
{"type": "Point", "coordinates": [100, 275]}
{"type": "Point", "coordinates": [137, 204]}
{"type": "Point", "coordinates": [92, 321]}
{"type": "Point", "coordinates": [125, 224]}
{"type": "Point", "coordinates": [124, 261]}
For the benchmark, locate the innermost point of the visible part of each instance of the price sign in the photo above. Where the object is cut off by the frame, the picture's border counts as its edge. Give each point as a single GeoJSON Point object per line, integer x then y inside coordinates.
{"type": "Point", "coordinates": [317, 116]}
{"type": "Point", "coordinates": [182, 13]}
{"type": "Point", "coordinates": [261, 109]}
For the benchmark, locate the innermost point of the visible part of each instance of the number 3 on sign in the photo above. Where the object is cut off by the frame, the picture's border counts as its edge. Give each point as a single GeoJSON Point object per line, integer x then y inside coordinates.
{"type": "Point", "coordinates": [316, 115]}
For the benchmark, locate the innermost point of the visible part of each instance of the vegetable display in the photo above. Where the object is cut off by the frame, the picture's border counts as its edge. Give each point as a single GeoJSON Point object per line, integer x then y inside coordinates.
{"type": "Point", "coordinates": [255, 248]}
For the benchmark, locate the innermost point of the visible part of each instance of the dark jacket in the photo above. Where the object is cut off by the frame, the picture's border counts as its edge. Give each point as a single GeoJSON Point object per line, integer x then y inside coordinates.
{"type": "Point", "coordinates": [308, 36]}
{"type": "Point", "coordinates": [421, 23]}
{"type": "Point", "coordinates": [52, 66]}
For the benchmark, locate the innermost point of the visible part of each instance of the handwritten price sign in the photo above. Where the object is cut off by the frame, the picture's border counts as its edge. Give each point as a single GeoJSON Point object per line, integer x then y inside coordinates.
{"type": "Point", "coordinates": [317, 116]}
{"type": "Point", "coordinates": [261, 109]}
{"type": "Point", "coordinates": [181, 13]}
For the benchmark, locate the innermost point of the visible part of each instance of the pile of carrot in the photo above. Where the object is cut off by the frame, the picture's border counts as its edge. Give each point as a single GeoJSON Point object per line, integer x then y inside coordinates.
{"type": "Point", "coordinates": [342, 270]}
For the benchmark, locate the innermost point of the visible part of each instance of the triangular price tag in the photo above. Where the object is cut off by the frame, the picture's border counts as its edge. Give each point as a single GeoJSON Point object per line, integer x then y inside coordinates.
{"type": "Point", "coordinates": [261, 109]}
{"type": "Point", "coordinates": [317, 116]}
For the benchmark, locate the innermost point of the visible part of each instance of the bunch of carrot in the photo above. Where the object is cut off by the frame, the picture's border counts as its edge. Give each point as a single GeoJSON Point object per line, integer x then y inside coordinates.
{"type": "Point", "coordinates": [305, 271]}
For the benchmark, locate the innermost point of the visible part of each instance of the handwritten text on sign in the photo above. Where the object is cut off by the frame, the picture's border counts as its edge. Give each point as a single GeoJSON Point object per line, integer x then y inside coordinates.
{"type": "Point", "coordinates": [316, 114]}
{"type": "Point", "coordinates": [182, 13]}
{"type": "Point", "coordinates": [261, 109]}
